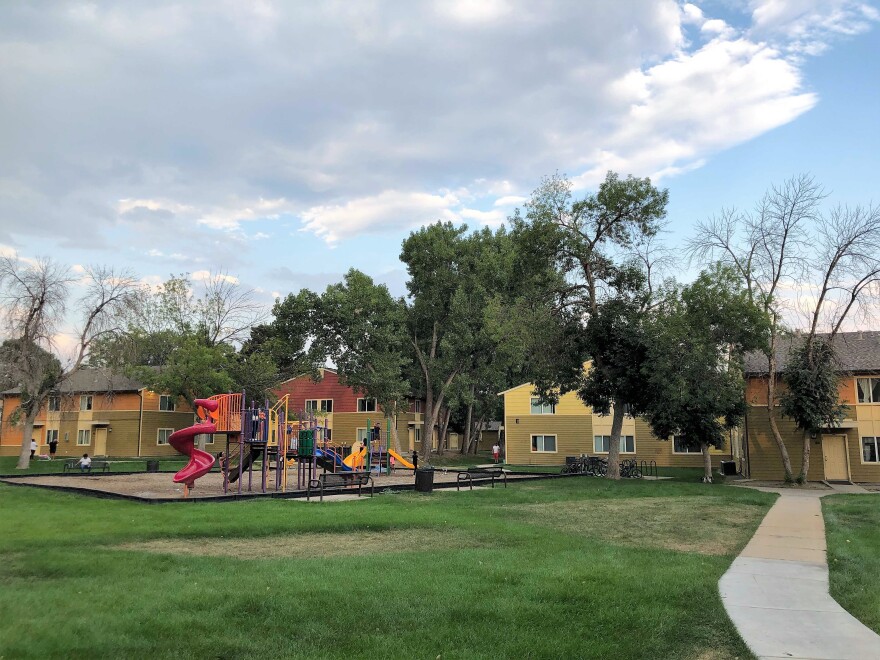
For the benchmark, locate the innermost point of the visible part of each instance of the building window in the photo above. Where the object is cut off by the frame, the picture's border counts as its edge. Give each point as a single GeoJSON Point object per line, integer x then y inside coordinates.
{"type": "Point", "coordinates": [51, 436]}
{"type": "Point", "coordinates": [868, 390]}
{"type": "Point", "coordinates": [328, 434]}
{"type": "Point", "coordinates": [54, 403]}
{"type": "Point", "coordinates": [543, 443]}
{"type": "Point", "coordinates": [85, 402]}
{"type": "Point", "coordinates": [870, 453]}
{"type": "Point", "coordinates": [162, 436]}
{"type": "Point", "coordinates": [416, 406]}
{"type": "Point", "coordinates": [539, 408]}
{"type": "Point", "coordinates": [84, 437]}
{"type": "Point", "coordinates": [366, 405]}
{"type": "Point", "coordinates": [166, 402]}
{"type": "Point", "coordinates": [680, 446]}
{"type": "Point", "coordinates": [362, 435]}
{"type": "Point", "coordinates": [602, 443]}
{"type": "Point", "coordinates": [319, 405]}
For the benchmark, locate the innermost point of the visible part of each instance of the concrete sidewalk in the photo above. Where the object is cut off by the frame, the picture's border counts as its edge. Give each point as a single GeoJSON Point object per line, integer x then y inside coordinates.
{"type": "Point", "coordinates": [776, 591]}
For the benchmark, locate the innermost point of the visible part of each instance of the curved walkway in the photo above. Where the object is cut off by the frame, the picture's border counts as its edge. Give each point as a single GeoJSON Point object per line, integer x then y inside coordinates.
{"type": "Point", "coordinates": [776, 591]}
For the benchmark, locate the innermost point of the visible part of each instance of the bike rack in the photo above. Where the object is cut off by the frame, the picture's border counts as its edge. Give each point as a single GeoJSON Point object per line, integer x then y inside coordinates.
{"type": "Point", "coordinates": [648, 468]}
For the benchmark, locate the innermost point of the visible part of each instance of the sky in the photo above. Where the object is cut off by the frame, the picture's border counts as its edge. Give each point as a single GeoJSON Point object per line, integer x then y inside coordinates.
{"type": "Point", "coordinates": [286, 142]}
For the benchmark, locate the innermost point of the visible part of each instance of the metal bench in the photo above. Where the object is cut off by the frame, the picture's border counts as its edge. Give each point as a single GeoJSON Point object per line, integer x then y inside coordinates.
{"type": "Point", "coordinates": [72, 465]}
{"type": "Point", "coordinates": [339, 480]}
{"type": "Point", "coordinates": [481, 474]}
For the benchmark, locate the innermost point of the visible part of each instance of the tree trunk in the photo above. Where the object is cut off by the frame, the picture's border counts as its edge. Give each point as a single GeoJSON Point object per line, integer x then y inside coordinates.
{"type": "Point", "coordinates": [707, 463]}
{"type": "Point", "coordinates": [395, 436]}
{"type": "Point", "coordinates": [428, 423]}
{"type": "Point", "coordinates": [24, 456]}
{"type": "Point", "coordinates": [805, 464]}
{"type": "Point", "coordinates": [445, 414]}
{"type": "Point", "coordinates": [468, 432]}
{"type": "Point", "coordinates": [614, 446]}
{"type": "Point", "coordinates": [771, 411]}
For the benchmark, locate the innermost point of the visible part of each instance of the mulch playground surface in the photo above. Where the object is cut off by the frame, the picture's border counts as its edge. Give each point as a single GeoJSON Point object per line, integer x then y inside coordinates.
{"type": "Point", "coordinates": [159, 486]}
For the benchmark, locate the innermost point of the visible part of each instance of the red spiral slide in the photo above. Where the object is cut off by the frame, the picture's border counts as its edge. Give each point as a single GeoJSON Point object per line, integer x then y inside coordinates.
{"type": "Point", "coordinates": [200, 462]}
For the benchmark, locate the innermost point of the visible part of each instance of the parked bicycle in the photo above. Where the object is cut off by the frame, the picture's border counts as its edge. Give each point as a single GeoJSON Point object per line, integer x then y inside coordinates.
{"type": "Point", "coordinates": [629, 469]}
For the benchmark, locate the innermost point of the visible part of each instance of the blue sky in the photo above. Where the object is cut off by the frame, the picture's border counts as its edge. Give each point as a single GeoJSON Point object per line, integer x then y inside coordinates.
{"type": "Point", "coordinates": [285, 143]}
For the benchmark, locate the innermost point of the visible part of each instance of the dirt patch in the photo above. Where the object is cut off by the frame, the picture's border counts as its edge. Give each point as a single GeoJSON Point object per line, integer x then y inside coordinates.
{"type": "Point", "coordinates": [314, 545]}
{"type": "Point", "coordinates": [687, 524]}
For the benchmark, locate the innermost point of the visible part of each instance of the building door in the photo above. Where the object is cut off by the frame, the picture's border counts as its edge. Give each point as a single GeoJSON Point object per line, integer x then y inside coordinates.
{"type": "Point", "coordinates": [101, 441]}
{"type": "Point", "coordinates": [834, 450]}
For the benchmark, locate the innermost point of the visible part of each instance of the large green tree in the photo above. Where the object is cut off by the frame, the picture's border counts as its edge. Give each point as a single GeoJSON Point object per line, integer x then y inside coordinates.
{"type": "Point", "coordinates": [361, 328]}
{"type": "Point", "coordinates": [695, 347]}
{"type": "Point", "coordinates": [591, 243]}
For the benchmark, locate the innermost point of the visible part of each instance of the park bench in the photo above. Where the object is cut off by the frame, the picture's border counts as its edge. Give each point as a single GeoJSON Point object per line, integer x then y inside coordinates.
{"type": "Point", "coordinates": [339, 480]}
{"type": "Point", "coordinates": [72, 465]}
{"type": "Point", "coordinates": [480, 474]}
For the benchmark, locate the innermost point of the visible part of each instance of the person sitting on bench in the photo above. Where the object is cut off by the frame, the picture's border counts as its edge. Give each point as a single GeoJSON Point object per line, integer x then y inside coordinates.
{"type": "Point", "coordinates": [85, 463]}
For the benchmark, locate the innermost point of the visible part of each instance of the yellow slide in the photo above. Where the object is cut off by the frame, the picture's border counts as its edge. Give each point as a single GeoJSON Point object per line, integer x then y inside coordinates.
{"type": "Point", "coordinates": [400, 459]}
{"type": "Point", "coordinates": [354, 460]}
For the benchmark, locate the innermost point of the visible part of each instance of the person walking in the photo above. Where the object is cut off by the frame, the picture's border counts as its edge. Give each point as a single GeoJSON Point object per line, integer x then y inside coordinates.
{"type": "Point", "coordinates": [496, 452]}
{"type": "Point", "coordinates": [33, 447]}
{"type": "Point", "coordinates": [53, 447]}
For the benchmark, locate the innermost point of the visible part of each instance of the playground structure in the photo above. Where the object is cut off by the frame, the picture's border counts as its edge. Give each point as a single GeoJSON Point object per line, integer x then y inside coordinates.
{"type": "Point", "coordinates": [270, 435]}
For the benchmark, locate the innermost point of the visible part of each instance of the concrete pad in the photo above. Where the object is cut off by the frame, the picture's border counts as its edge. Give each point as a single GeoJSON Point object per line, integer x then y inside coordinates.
{"type": "Point", "coordinates": [794, 554]}
{"type": "Point", "coordinates": [328, 498]}
{"type": "Point", "coordinates": [848, 488]}
{"type": "Point", "coordinates": [780, 568]}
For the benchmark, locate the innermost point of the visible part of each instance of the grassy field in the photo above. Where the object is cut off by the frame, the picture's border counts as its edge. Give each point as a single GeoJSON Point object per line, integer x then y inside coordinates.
{"type": "Point", "coordinates": [575, 568]}
{"type": "Point", "coordinates": [852, 529]}
{"type": "Point", "coordinates": [166, 464]}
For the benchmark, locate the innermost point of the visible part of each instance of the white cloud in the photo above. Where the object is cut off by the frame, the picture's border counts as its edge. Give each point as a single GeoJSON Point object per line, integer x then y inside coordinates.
{"type": "Point", "coordinates": [365, 117]}
{"type": "Point", "coordinates": [510, 200]}
{"type": "Point", "coordinates": [206, 275]}
{"type": "Point", "coordinates": [491, 218]}
{"type": "Point", "coordinates": [807, 27]}
{"type": "Point", "coordinates": [388, 209]}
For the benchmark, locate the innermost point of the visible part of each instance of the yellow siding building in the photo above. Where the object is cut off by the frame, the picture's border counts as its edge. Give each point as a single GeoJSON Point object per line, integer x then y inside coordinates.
{"type": "Point", "coordinates": [536, 434]}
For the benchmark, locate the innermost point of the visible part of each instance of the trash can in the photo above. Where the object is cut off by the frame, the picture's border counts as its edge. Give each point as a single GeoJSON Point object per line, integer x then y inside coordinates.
{"type": "Point", "coordinates": [424, 480]}
{"type": "Point", "coordinates": [152, 466]}
{"type": "Point", "coordinates": [728, 468]}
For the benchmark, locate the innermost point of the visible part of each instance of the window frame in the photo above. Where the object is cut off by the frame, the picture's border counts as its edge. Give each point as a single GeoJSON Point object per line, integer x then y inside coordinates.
{"type": "Point", "coordinates": [320, 405]}
{"type": "Point", "coordinates": [543, 406]}
{"type": "Point", "coordinates": [366, 408]}
{"type": "Point", "coordinates": [83, 433]}
{"type": "Point", "coordinates": [86, 403]}
{"type": "Point", "coordinates": [362, 437]}
{"type": "Point", "coordinates": [544, 436]}
{"type": "Point", "coordinates": [171, 401]}
{"type": "Point", "coordinates": [53, 399]}
{"type": "Point", "coordinates": [623, 438]}
{"type": "Point", "coordinates": [687, 451]}
{"type": "Point", "coordinates": [873, 384]}
{"type": "Point", "coordinates": [876, 441]}
{"type": "Point", "coordinates": [159, 431]}
{"type": "Point", "coordinates": [57, 435]}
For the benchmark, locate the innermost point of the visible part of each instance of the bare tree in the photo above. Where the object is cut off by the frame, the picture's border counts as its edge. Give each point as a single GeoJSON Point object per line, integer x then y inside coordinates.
{"type": "Point", "coordinates": [34, 296]}
{"type": "Point", "coordinates": [226, 311]}
{"type": "Point", "coordinates": [797, 261]}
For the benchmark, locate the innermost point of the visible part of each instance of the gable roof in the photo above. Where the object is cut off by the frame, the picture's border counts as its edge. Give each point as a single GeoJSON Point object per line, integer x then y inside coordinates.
{"type": "Point", "coordinates": [857, 352]}
{"type": "Point", "coordinates": [93, 379]}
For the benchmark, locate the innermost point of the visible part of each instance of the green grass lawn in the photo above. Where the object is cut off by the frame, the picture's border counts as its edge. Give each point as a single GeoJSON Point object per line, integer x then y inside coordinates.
{"type": "Point", "coordinates": [166, 464]}
{"type": "Point", "coordinates": [852, 529]}
{"type": "Point", "coordinates": [568, 568]}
